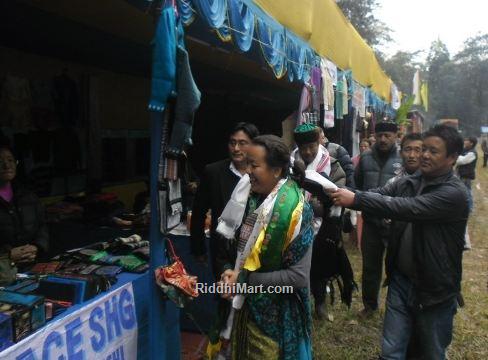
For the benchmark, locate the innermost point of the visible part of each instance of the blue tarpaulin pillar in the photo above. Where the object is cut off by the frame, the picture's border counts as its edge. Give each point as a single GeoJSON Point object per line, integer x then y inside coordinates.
{"type": "Point", "coordinates": [164, 327]}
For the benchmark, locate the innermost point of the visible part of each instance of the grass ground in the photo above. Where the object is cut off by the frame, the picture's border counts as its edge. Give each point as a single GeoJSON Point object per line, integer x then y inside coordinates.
{"type": "Point", "coordinates": [349, 337]}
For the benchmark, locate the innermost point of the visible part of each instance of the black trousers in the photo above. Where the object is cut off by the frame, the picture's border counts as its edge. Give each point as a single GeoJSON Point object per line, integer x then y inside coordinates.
{"type": "Point", "coordinates": [373, 246]}
{"type": "Point", "coordinates": [325, 259]}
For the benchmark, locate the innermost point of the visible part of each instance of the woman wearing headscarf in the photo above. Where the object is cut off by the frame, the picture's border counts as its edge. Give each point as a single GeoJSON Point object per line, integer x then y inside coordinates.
{"type": "Point", "coordinates": [272, 227]}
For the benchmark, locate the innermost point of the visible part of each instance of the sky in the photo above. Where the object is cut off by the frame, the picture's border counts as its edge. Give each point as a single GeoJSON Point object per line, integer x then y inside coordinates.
{"type": "Point", "coordinates": [416, 23]}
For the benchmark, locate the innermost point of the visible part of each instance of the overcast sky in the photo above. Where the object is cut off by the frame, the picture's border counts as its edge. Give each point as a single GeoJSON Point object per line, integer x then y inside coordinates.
{"type": "Point", "coordinates": [416, 23]}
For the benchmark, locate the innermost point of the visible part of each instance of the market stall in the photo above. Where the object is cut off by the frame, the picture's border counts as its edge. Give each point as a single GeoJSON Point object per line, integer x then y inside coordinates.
{"type": "Point", "coordinates": [118, 140]}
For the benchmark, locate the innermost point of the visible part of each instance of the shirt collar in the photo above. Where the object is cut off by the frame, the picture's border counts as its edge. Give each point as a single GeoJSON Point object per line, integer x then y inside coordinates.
{"type": "Point", "coordinates": [234, 169]}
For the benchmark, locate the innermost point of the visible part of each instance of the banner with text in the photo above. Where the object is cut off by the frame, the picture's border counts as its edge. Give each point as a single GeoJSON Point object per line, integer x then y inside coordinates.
{"type": "Point", "coordinates": [105, 329]}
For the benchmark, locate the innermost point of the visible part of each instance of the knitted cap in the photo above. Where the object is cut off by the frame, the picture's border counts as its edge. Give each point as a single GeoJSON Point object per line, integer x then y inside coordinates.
{"type": "Point", "coordinates": [306, 133]}
{"type": "Point", "coordinates": [386, 126]}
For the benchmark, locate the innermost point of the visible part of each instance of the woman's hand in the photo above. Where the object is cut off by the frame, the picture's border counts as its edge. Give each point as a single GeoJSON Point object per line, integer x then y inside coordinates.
{"type": "Point", "coordinates": [229, 277]}
{"type": "Point", "coordinates": [23, 254]}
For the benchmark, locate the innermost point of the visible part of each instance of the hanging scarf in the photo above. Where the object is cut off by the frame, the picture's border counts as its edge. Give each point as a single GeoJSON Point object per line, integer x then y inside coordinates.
{"type": "Point", "coordinates": [231, 217]}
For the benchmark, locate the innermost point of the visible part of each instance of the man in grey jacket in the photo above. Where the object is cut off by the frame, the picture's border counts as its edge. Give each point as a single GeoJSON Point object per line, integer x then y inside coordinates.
{"type": "Point", "coordinates": [376, 166]}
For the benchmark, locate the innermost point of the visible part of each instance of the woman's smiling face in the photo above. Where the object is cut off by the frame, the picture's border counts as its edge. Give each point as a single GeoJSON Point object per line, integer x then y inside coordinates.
{"type": "Point", "coordinates": [263, 178]}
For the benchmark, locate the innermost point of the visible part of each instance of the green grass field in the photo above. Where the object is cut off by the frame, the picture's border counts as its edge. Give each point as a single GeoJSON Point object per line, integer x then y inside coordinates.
{"type": "Point", "coordinates": [350, 337]}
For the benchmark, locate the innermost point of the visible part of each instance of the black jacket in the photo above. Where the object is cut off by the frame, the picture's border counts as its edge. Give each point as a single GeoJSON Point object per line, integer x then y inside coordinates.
{"type": "Point", "coordinates": [22, 222]}
{"type": "Point", "coordinates": [214, 191]}
{"type": "Point", "coordinates": [468, 171]}
{"type": "Point", "coordinates": [341, 154]}
{"type": "Point", "coordinates": [439, 216]}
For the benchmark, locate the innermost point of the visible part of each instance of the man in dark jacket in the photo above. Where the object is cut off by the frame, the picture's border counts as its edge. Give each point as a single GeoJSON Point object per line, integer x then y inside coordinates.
{"type": "Point", "coordinates": [216, 186]}
{"type": "Point", "coordinates": [376, 166]}
{"type": "Point", "coordinates": [466, 165]}
{"type": "Point", "coordinates": [338, 152]}
{"type": "Point", "coordinates": [424, 257]}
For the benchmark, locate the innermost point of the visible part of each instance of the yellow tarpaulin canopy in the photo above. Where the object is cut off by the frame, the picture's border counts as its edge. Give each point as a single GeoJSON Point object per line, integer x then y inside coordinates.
{"type": "Point", "coordinates": [323, 25]}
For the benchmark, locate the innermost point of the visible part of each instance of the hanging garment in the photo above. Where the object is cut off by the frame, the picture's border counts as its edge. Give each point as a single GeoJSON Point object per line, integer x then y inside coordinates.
{"type": "Point", "coordinates": [347, 127]}
{"type": "Point", "coordinates": [341, 97]}
{"type": "Point", "coordinates": [66, 100]}
{"type": "Point", "coordinates": [395, 97]}
{"type": "Point", "coordinates": [175, 202]}
{"type": "Point", "coordinates": [43, 109]}
{"type": "Point", "coordinates": [359, 102]}
{"type": "Point", "coordinates": [187, 102]}
{"type": "Point", "coordinates": [347, 93]}
{"type": "Point", "coordinates": [332, 71]}
{"type": "Point", "coordinates": [329, 118]}
{"type": "Point", "coordinates": [327, 86]}
{"type": "Point", "coordinates": [163, 82]}
{"type": "Point", "coordinates": [171, 169]}
{"type": "Point", "coordinates": [416, 88]}
{"type": "Point", "coordinates": [305, 104]}
{"type": "Point", "coordinates": [316, 82]}
{"type": "Point", "coordinates": [356, 129]}
{"type": "Point", "coordinates": [66, 149]}
{"type": "Point", "coordinates": [164, 141]}
{"type": "Point", "coordinates": [15, 104]}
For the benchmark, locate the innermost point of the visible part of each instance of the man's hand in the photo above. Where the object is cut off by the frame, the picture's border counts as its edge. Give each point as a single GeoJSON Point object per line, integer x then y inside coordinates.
{"type": "Point", "coordinates": [23, 254]}
{"type": "Point", "coordinates": [342, 197]}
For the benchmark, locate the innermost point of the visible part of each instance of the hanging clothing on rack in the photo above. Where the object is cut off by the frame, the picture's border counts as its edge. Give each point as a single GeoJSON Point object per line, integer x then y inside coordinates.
{"type": "Point", "coordinates": [358, 100]}
{"type": "Point", "coordinates": [15, 102]}
{"type": "Point", "coordinates": [66, 100]}
{"type": "Point", "coordinates": [187, 102]}
{"type": "Point", "coordinates": [305, 104]}
{"type": "Point", "coordinates": [169, 32]}
{"type": "Point", "coordinates": [316, 86]}
{"type": "Point", "coordinates": [341, 107]}
{"type": "Point", "coordinates": [327, 86]}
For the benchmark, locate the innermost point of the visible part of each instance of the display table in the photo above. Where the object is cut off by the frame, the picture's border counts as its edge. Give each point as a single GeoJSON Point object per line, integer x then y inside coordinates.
{"type": "Point", "coordinates": [113, 325]}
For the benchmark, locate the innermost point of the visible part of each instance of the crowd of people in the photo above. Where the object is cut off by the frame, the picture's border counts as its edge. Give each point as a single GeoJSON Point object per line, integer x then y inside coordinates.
{"type": "Point", "coordinates": [274, 223]}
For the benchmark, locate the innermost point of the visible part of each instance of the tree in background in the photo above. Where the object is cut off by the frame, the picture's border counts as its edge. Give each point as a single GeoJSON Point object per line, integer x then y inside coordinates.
{"type": "Point", "coordinates": [472, 79]}
{"type": "Point", "coordinates": [401, 67]}
{"type": "Point", "coordinates": [361, 14]}
{"type": "Point", "coordinates": [441, 77]}
{"type": "Point", "coordinates": [457, 84]}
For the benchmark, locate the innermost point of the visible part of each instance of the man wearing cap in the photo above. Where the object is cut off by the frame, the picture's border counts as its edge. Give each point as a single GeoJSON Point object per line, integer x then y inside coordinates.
{"type": "Point", "coordinates": [328, 257]}
{"type": "Point", "coordinates": [376, 166]}
{"type": "Point", "coordinates": [341, 154]}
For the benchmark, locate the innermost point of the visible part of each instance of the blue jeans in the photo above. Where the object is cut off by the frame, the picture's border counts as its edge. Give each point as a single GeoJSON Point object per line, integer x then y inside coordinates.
{"type": "Point", "coordinates": [432, 325]}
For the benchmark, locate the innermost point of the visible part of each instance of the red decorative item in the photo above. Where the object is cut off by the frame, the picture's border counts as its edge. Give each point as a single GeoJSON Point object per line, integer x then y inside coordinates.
{"type": "Point", "coordinates": [175, 274]}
